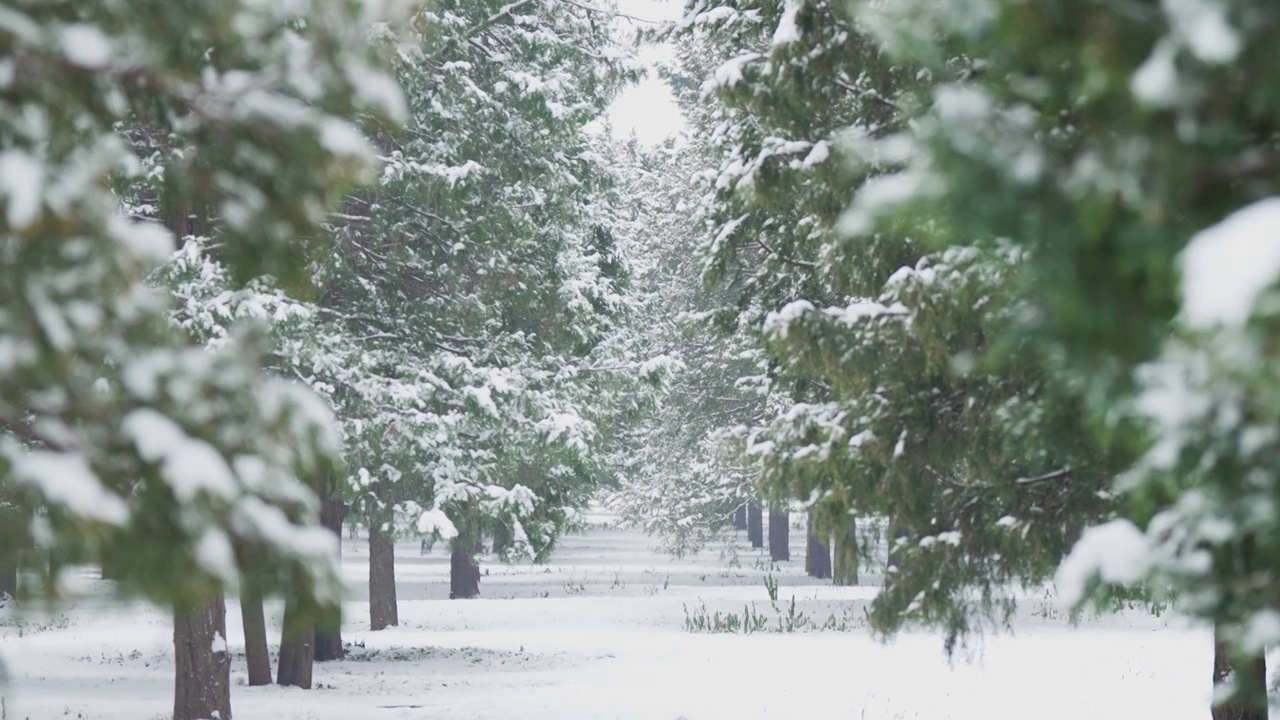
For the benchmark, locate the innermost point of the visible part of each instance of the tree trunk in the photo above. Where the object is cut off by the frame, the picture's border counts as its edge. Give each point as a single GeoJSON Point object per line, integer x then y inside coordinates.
{"type": "Point", "coordinates": [13, 540]}
{"type": "Point", "coordinates": [1250, 699]}
{"type": "Point", "coordinates": [329, 628]}
{"type": "Point", "coordinates": [740, 518]}
{"type": "Point", "coordinates": [202, 665]}
{"type": "Point", "coordinates": [202, 672]}
{"type": "Point", "coordinates": [255, 637]}
{"type": "Point", "coordinates": [501, 538]}
{"type": "Point", "coordinates": [53, 564]}
{"type": "Point", "coordinates": [382, 579]}
{"type": "Point", "coordinates": [891, 539]}
{"type": "Point", "coordinates": [755, 525]}
{"type": "Point", "coordinates": [464, 573]}
{"type": "Point", "coordinates": [9, 576]}
{"type": "Point", "coordinates": [297, 650]}
{"type": "Point", "coordinates": [846, 555]}
{"type": "Point", "coordinates": [779, 533]}
{"type": "Point", "coordinates": [817, 556]}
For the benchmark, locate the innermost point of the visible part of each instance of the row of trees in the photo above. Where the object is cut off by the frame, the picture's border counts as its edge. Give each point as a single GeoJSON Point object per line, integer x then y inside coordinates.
{"type": "Point", "coordinates": [987, 271]}
{"type": "Point", "coordinates": [965, 265]}
{"type": "Point", "coordinates": [182, 467]}
{"type": "Point", "coordinates": [214, 352]}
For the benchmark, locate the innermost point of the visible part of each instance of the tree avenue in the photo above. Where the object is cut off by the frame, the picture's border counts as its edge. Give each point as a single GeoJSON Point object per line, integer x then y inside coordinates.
{"type": "Point", "coordinates": [978, 296]}
{"type": "Point", "coordinates": [118, 424]}
{"type": "Point", "coordinates": [1133, 170]}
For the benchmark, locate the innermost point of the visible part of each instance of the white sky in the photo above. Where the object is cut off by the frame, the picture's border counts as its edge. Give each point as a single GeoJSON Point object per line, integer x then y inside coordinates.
{"type": "Point", "coordinates": [648, 107]}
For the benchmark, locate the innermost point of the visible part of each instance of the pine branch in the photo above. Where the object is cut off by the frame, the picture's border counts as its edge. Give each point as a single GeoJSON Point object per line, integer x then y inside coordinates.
{"type": "Point", "coordinates": [612, 13]}
{"type": "Point", "coordinates": [503, 14]}
{"type": "Point", "coordinates": [1047, 477]}
{"type": "Point", "coordinates": [784, 258]}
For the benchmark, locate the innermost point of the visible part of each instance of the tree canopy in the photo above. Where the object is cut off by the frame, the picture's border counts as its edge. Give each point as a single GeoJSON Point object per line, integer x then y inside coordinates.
{"type": "Point", "coordinates": [985, 287]}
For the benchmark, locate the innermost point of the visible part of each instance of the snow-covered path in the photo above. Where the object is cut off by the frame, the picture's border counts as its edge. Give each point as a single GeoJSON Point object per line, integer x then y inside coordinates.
{"type": "Point", "coordinates": [599, 635]}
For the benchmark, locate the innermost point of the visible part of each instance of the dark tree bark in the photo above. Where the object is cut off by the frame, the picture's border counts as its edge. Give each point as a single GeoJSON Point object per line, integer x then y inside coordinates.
{"type": "Point", "coordinates": [846, 555]}
{"type": "Point", "coordinates": [464, 573]}
{"type": "Point", "coordinates": [8, 576]}
{"type": "Point", "coordinates": [501, 538]}
{"type": "Point", "coordinates": [1250, 700]}
{"type": "Point", "coordinates": [779, 534]}
{"type": "Point", "coordinates": [13, 540]}
{"type": "Point", "coordinates": [817, 556]}
{"type": "Point", "coordinates": [202, 664]}
{"type": "Point", "coordinates": [329, 628]}
{"type": "Point", "coordinates": [383, 611]}
{"type": "Point", "coordinates": [297, 650]}
{"type": "Point", "coordinates": [892, 537]}
{"type": "Point", "coordinates": [202, 677]}
{"type": "Point", "coordinates": [255, 637]}
{"type": "Point", "coordinates": [755, 525]}
{"type": "Point", "coordinates": [740, 518]}
{"type": "Point", "coordinates": [54, 562]}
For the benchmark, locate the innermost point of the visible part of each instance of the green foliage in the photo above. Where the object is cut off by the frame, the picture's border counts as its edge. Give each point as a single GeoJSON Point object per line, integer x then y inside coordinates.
{"type": "Point", "coordinates": [1126, 150]}
{"type": "Point", "coordinates": [786, 619]}
{"type": "Point", "coordinates": [116, 426]}
{"type": "Point", "coordinates": [484, 285]}
{"type": "Point", "coordinates": [899, 385]}
{"type": "Point", "coordinates": [700, 621]}
{"type": "Point", "coordinates": [677, 479]}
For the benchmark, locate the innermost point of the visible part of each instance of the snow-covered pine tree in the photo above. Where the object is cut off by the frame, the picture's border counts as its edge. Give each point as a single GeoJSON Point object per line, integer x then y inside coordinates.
{"type": "Point", "coordinates": [892, 401]}
{"type": "Point", "coordinates": [211, 309]}
{"type": "Point", "coordinates": [116, 426]}
{"type": "Point", "coordinates": [1131, 152]}
{"type": "Point", "coordinates": [482, 281]}
{"type": "Point", "coordinates": [705, 40]}
{"type": "Point", "coordinates": [677, 478]}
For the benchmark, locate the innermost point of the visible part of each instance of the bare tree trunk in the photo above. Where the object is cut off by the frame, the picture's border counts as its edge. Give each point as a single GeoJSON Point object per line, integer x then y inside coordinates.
{"type": "Point", "coordinates": [255, 637]}
{"type": "Point", "coordinates": [501, 538]}
{"type": "Point", "coordinates": [13, 539]}
{"type": "Point", "coordinates": [755, 525]}
{"type": "Point", "coordinates": [202, 664]}
{"type": "Point", "coordinates": [382, 579]}
{"type": "Point", "coordinates": [740, 518]}
{"type": "Point", "coordinates": [329, 627]}
{"type": "Point", "coordinates": [53, 564]}
{"type": "Point", "coordinates": [8, 576]}
{"type": "Point", "coordinates": [779, 533]}
{"type": "Point", "coordinates": [297, 650]}
{"type": "Point", "coordinates": [817, 556]}
{"type": "Point", "coordinates": [891, 539]}
{"type": "Point", "coordinates": [1250, 699]}
{"type": "Point", "coordinates": [464, 573]}
{"type": "Point", "coordinates": [202, 672]}
{"type": "Point", "coordinates": [846, 555]}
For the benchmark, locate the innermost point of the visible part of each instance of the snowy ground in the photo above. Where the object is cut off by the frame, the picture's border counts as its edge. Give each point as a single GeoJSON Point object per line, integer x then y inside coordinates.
{"type": "Point", "coordinates": [599, 634]}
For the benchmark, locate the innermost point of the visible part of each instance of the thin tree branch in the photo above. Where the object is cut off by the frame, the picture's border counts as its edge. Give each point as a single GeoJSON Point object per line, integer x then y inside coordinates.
{"type": "Point", "coordinates": [612, 13]}
{"type": "Point", "coordinates": [494, 19]}
{"type": "Point", "coordinates": [783, 258]}
{"type": "Point", "coordinates": [1055, 475]}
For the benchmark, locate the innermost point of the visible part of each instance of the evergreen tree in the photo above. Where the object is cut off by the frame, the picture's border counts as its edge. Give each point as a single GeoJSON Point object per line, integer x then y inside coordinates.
{"type": "Point", "coordinates": [890, 399]}
{"type": "Point", "coordinates": [678, 479]}
{"type": "Point", "coordinates": [485, 285]}
{"type": "Point", "coordinates": [117, 425]}
{"type": "Point", "coordinates": [1133, 168]}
